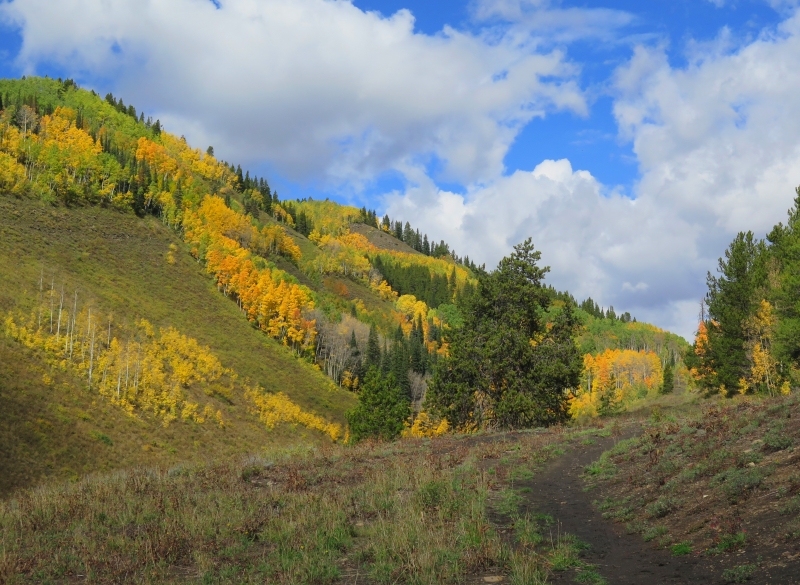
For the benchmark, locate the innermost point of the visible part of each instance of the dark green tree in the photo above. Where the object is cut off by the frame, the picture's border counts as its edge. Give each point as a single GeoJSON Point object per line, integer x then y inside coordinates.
{"type": "Point", "coordinates": [506, 367]}
{"type": "Point", "coordinates": [785, 249]}
{"type": "Point", "coordinates": [731, 299]}
{"type": "Point", "coordinates": [382, 409]}
{"type": "Point", "coordinates": [373, 357]}
{"type": "Point", "coordinates": [668, 386]}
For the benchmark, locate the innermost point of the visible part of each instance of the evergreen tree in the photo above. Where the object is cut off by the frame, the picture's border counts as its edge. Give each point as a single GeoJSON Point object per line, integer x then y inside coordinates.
{"type": "Point", "coordinates": [381, 411]}
{"type": "Point", "coordinates": [731, 300]}
{"type": "Point", "coordinates": [373, 357]}
{"type": "Point", "coordinates": [506, 367]}
{"type": "Point", "coordinates": [785, 248]}
{"type": "Point", "coordinates": [668, 385]}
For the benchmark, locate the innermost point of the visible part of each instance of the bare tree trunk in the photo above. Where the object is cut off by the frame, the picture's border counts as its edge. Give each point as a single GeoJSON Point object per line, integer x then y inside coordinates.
{"type": "Point", "coordinates": [60, 307]}
{"type": "Point", "coordinates": [74, 318]}
{"type": "Point", "coordinates": [52, 287]}
{"type": "Point", "coordinates": [127, 365]}
{"type": "Point", "coordinates": [91, 355]}
{"type": "Point", "coordinates": [86, 338]}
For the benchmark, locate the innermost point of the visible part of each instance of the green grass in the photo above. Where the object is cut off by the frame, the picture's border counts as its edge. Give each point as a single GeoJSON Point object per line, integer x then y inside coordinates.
{"type": "Point", "coordinates": [739, 574]}
{"type": "Point", "coordinates": [288, 516]}
{"type": "Point", "coordinates": [119, 262]}
{"type": "Point", "coordinates": [682, 548]}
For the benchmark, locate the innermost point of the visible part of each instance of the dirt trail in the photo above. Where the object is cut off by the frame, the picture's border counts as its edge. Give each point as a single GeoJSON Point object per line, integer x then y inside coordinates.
{"type": "Point", "coordinates": [621, 558]}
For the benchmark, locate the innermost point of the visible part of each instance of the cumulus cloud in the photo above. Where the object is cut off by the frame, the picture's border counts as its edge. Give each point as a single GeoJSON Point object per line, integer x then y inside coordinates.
{"type": "Point", "coordinates": [318, 88]}
{"type": "Point", "coordinates": [322, 89]}
{"type": "Point", "coordinates": [718, 147]}
{"type": "Point", "coordinates": [633, 254]}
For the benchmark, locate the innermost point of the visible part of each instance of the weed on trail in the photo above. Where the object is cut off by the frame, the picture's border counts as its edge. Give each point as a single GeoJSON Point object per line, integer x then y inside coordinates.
{"type": "Point", "coordinates": [537, 545]}
{"type": "Point", "coordinates": [721, 482]}
{"type": "Point", "coordinates": [740, 574]}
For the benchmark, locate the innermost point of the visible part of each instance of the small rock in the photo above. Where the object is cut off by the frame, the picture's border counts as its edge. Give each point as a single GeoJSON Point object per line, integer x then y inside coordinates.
{"type": "Point", "coordinates": [492, 579]}
{"type": "Point", "coordinates": [751, 464]}
{"type": "Point", "coordinates": [701, 432]}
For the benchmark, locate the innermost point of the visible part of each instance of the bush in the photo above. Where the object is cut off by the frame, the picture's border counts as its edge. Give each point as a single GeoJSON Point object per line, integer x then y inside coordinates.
{"type": "Point", "coordinates": [682, 548]}
{"type": "Point", "coordinates": [775, 440]}
{"type": "Point", "coordinates": [738, 574]}
{"type": "Point", "coordinates": [661, 507]}
{"type": "Point", "coordinates": [736, 483]}
{"type": "Point", "coordinates": [102, 437]}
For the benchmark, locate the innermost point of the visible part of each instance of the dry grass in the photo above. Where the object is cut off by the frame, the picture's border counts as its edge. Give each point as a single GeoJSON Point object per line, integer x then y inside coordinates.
{"type": "Point", "coordinates": [720, 479]}
{"type": "Point", "coordinates": [409, 512]}
{"type": "Point", "coordinates": [119, 263]}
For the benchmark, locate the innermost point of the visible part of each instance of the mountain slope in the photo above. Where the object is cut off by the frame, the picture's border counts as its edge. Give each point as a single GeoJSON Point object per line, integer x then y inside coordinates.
{"type": "Point", "coordinates": [130, 268]}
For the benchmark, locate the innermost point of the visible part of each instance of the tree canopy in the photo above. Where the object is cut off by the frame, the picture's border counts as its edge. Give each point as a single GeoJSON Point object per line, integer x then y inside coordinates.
{"type": "Point", "coordinates": [508, 367]}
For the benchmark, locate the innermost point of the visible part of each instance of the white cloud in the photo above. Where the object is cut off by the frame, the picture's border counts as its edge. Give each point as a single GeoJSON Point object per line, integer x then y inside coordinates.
{"type": "Point", "coordinates": [317, 88]}
{"type": "Point", "coordinates": [718, 146]}
{"type": "Point", "coordinates": [322, 89]}
{"type": "Point", "coordinates": [596, 243]}
{"type": "Point", "coordinates": [545, 19]}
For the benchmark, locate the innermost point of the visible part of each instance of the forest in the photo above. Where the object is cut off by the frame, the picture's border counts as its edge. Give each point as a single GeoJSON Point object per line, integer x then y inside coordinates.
{"type": "Point", "coordinates": [202, 381]}
{"type": "Point", "coordinates": [747, 339]}
{"type": "Point", "coordinates": [427, 339]}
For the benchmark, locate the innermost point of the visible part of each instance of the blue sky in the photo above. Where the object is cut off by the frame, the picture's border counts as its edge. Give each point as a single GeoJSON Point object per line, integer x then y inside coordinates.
{"type": "Point", "coordinates": [631, 140]}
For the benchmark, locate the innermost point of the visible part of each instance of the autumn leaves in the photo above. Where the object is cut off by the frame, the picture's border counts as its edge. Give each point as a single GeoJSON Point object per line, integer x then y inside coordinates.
{"type": "Point", "coordinates": [218, 235]}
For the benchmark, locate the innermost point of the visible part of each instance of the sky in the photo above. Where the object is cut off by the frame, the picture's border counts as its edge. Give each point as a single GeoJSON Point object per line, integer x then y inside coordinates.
{"type": "Point", "coordinates": [630, 140]}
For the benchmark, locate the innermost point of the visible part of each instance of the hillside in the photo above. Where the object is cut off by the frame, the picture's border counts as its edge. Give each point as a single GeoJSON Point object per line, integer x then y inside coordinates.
{"type": "Point", "coordinates": [130, 269]}
{"type": "Point", "coordinates": [185, 310]}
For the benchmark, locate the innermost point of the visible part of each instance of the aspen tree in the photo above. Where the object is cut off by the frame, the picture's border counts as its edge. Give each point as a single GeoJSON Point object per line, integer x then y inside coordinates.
{"type": "Point", "coordinates": [52, 287]}
{"type": "Point", "coordinates": [60, 307]}
{"type": "Point", "coordinates": [91, 353]}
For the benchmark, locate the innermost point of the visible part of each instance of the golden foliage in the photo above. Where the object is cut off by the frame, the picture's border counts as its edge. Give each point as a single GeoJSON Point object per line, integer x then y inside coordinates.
{"type": "Point", "coordinates": [217, 234]}
{"type": "Point", "coordinates": [278, 408]}
{"type": "Point", "coordinates": [759, 330]}
{"type": "Point", "coordinates": [149, 371]}
{"type": "Point", "coordinates": [618, 376]}
{"type": "Point", "coordinates": [426, 426]}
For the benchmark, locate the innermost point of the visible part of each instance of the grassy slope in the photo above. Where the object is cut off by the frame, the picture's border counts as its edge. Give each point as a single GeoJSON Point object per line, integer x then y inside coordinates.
{"type": "Point", "coordinates": [381, 239]}
{"type": "Point", "coordinates": [407, 512]}
{"type": "Point", "coordinates": [120, 262]}
{"type": "Point", "coordinates": [720, 480]}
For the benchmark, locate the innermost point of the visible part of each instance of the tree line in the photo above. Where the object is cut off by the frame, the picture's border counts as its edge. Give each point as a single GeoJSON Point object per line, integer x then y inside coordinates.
{"type": "Point", "coordinates": [748, 338]}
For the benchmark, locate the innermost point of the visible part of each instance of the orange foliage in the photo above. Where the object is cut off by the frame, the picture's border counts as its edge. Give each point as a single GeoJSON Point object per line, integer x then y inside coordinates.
{"type": "Point", "coordinates": [619, 375]}
{"type": "Point", "coordinates": [264, 295]}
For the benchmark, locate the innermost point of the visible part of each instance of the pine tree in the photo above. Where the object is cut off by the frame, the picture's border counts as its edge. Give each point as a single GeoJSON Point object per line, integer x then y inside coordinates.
{"type": "Point", "coordinates": [381, 411]}
{"type": "Point", "coordinates": [731, 301]}
{"type": "Point", "coordinates": [494, 374]}
{"type": "Point", "coordinates": [373, 357]}
{"type": "Point", "coordinates": [668, 386]}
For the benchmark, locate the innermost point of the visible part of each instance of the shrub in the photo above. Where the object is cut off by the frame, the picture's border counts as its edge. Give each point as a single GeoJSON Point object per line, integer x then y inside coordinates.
{"type": "Point", "coordinates": [775, 440]}
{"type": "Point", "coordinates": [682, 548]}
{"type": "Point", "coordinates": [102, 437]}
{"type": "Point", "coordinates": [661, 507]}
{"type": "Point", "coordinates": [736, 483]}
{"type": "Point", "coordinates": [731, 541]}
{"type": "Point", "coordinates": [738, 574]}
